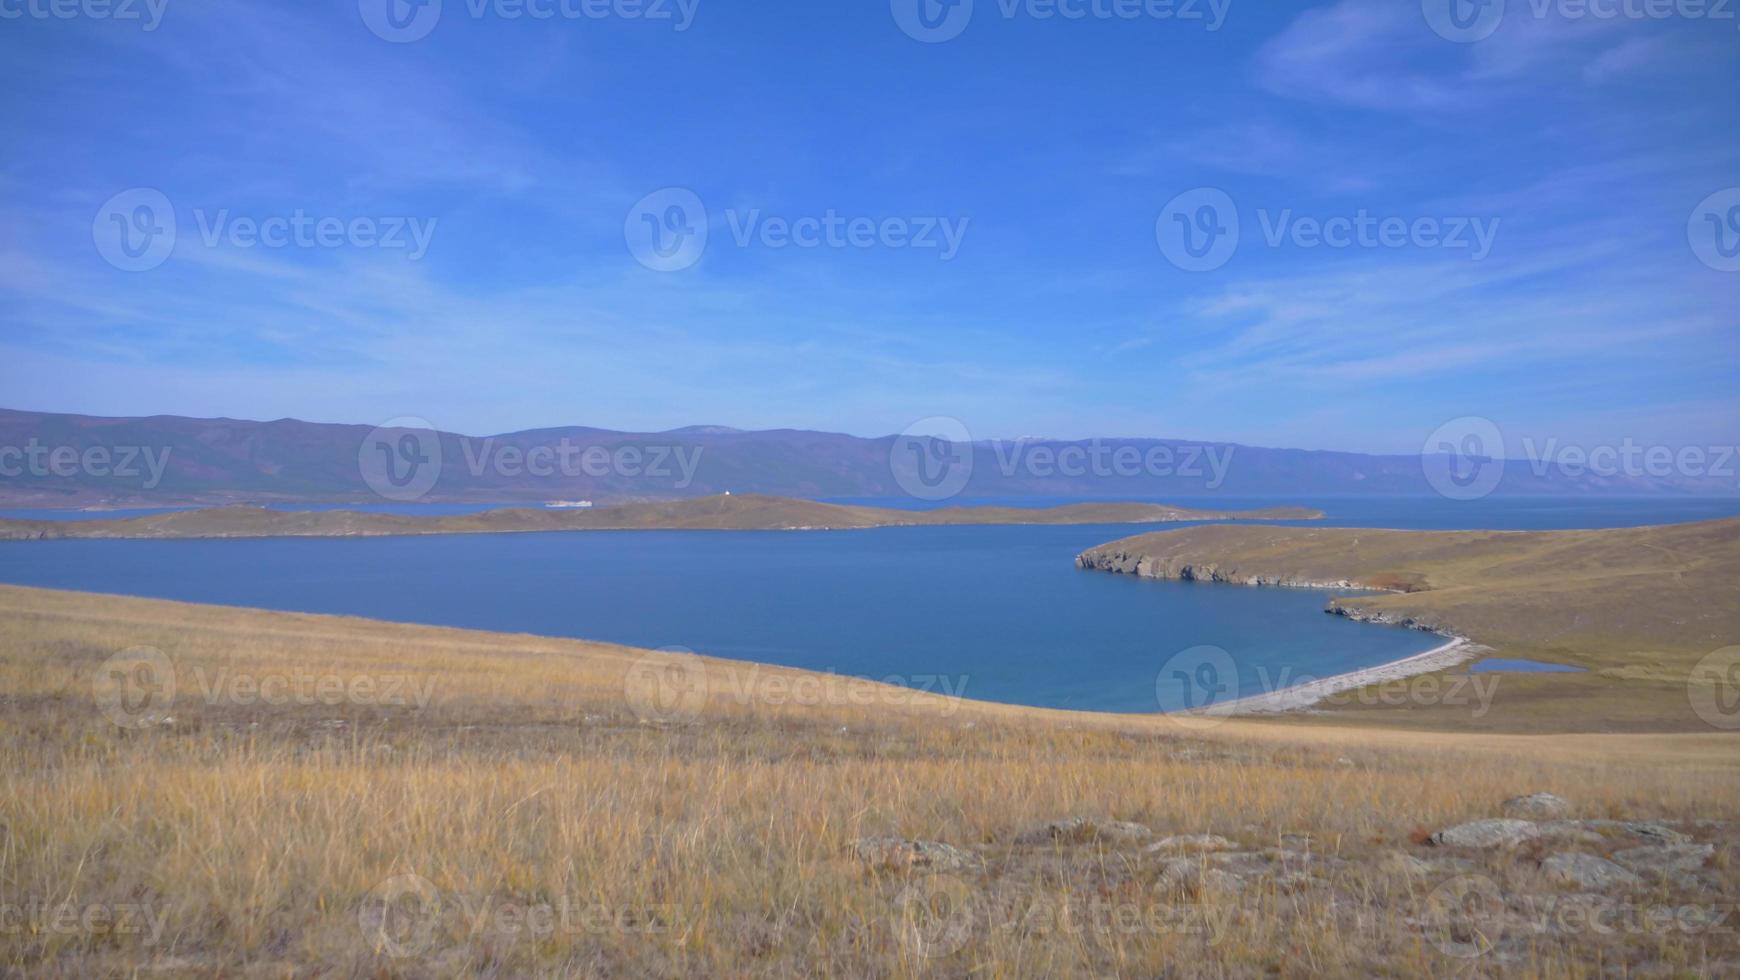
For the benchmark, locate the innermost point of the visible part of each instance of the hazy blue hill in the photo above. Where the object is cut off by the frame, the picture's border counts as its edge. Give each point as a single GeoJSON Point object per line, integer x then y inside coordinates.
{"type": "Point", "coordinates": [223, 460]}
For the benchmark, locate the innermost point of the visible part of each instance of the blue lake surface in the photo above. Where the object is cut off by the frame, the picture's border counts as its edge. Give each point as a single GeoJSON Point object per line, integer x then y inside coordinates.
{"type": "Point", "coordinates": [992, 613]}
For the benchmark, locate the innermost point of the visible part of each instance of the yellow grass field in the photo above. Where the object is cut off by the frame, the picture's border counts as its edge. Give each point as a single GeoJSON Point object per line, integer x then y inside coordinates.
{"type": "Point", "coordinates": [193, 790]}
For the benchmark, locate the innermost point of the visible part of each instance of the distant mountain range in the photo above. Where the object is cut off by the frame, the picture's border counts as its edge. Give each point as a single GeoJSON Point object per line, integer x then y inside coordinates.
{"type": "Point", "coordinates": [56, 460]}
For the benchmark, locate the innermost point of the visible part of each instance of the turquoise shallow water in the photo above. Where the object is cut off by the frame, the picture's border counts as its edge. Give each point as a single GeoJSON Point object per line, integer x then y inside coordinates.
{"type": "Point", "coordinates": [994, 613]}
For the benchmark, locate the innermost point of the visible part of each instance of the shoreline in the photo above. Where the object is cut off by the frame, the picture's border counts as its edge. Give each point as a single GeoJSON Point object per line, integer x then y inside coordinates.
{"type": "Point", "coordinates": [1457, 651]}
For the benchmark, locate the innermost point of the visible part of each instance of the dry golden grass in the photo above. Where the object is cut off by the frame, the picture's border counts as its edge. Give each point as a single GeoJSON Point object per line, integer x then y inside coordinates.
{"type": "Point", "coordinates": [569, 819]}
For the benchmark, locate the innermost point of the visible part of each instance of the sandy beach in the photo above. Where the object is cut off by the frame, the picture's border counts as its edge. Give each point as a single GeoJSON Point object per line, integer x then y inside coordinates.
{"type": "Point", "coordinates": [1458, 650]}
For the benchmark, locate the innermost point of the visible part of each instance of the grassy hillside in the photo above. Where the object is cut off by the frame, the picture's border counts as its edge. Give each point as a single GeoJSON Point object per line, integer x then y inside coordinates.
{"type": "Point", "coordinates": [728, 512]}
{"type": "Point", "coordinates": [1640, 608]}
{"type": "Point", "coordinates": [269, 794]}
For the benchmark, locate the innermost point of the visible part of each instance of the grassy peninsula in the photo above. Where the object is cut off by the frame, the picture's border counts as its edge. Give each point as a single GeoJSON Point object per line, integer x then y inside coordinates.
{"type": "Point", "coordinates": [1638, 608]}
{"type": "Point", "coordinates": [726, 512]}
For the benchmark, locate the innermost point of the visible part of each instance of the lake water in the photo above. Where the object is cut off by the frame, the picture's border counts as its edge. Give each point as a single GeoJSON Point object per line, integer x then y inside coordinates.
{"type": "Point", "coordinates": [993, 613]}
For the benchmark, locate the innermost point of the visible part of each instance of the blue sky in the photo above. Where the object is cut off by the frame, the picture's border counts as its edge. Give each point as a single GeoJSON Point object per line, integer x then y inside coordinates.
{"type": "Point", "coordinates": [527, 149]}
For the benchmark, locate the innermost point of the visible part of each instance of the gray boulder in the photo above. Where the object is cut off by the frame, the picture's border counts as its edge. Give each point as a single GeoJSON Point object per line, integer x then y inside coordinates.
{"type": "Point", "coordinates": [1190, 842]}
{"type": "Point", "coordinates": [1666, 859]}
{"type": "Point", "coordinates": [895, 854]}
{"type": "Point", "coordinates": [1498, 832]}
{"type": "Point", "coordinates": [1193, 878]}
{"type": "Point", "coordinates": [1536, 806]}
{"type": "Point", "coordinates": [1588, 871]}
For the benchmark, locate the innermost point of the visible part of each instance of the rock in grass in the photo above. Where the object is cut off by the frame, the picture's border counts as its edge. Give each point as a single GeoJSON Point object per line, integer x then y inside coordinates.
{"type": "Point", "coordinates": [1501, 832]}
{"type": "Point", "coordinates": [1193, 878]}
{"type": "Point", "coordinates": [1536, 806]}
{"type": "Point", "coordinates": [1190, 842]}
{"type": "Point", "coordinates": [1588, 871]}
{"type": "Point", "coordinates": [1666, 859]}
{"type": "Point", "coordinates": [895, 854]}
{"type": "Point", "coordinates": [1569, 831]}
{"type": "Point", "coordinates": [1655, 833]}
{"type": "Point", "coordinates": [1080, 830]}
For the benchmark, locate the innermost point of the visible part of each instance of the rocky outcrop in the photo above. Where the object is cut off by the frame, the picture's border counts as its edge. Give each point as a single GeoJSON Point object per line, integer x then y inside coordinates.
{"type": "Point", "coordinates": [1666, 859]}
{"type": "Point", "coordinates": [1180, 843]}
{"type": "Point", "coordinates": [1536, 806]}
{"type": "Point", "coordinates": [1587, 871]}
{"type": "Point", "coordinates": [1498, 832]}
{"type": "Point", "coordinates": [1148, 566]}
{"type": "Point", "coordinates": [895, 854]}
